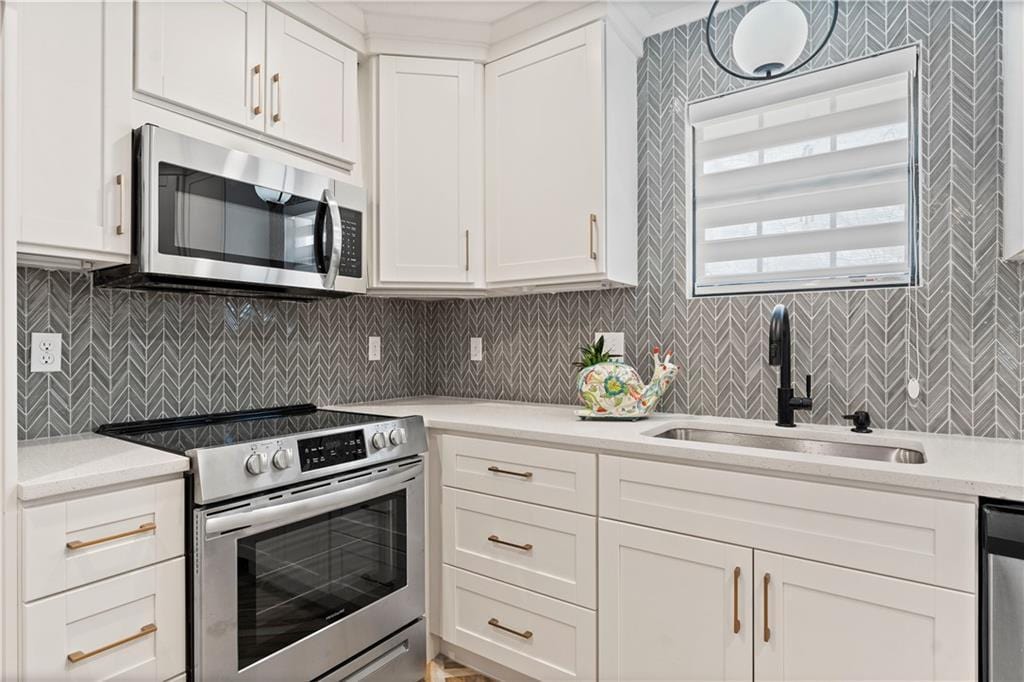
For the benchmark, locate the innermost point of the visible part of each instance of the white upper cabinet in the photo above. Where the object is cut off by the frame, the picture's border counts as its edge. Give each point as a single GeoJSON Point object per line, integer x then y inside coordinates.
{"type": "Point", "coordinates": [430, 167]}
{"type": "Point", "coordinates": [67, 131]}
{"type": "Point", "coordinates": [561, 162]}
{"type": "Point", "coordinates": [207, 56]}
{"type": "Point", "coordinates": [821, 622]}
{"type": "Point", "coordinates": [311, 88]}
{"type": "Point", "coordinates": [254, 67]}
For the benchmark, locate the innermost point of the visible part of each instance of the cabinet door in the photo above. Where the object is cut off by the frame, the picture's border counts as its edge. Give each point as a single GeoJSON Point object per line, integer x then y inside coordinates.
{"type": "Point", "coordinates": [673, 607]}
{"type": "Point", "coordinates": [545, 159]}
{"type": "Point", "coordinates": [207, 56]}
{"type": "Point", "coordinates": [311, 95]}
{"type": "Point", "coordinates": [820, 622]}
{"type": "Point", "coordinates": [431, 166]}
{"type": "Point", "coordinates": [66, 69]}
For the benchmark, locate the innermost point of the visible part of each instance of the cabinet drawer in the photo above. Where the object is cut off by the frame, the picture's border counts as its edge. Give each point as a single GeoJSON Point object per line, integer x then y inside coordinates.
{"type": "Point", "coordinates": [555, 478]}
{"type": "Point", "coordinates": [131, 627]}
{"type": "Point", "coordinates": [917, 538]}
{"type": "Point", "coordinates": [67, 544]}
{"type": "Point", "coordinates": [545, 638]}
{"type": "Point", "coordinates": [541, 549]}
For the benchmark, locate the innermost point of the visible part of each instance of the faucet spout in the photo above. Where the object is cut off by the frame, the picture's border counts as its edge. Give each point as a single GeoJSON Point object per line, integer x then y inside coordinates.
{"type": "Point", "coordinates": [780, 355]}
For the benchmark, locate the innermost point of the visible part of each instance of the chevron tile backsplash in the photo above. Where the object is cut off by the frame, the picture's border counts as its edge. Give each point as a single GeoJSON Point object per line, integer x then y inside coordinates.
{"type": "Point", "coordinates": [960, 333]}
{"type": "Point", "coordinates": [141, 355]}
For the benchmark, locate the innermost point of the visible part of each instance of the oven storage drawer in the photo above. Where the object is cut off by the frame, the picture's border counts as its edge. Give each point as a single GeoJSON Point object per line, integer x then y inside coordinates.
{"type": "Point", "coordinates": [554, 478]}
{"type": "Point", "coordinates": [400, 658]}
{"type": "Point", "coordinates": [537, 636]}
{"type": "Point", "coordinates": [71, 543]}
{"type": "Point", "coordinates": [539, 548]}
{"type": "Point", "coordinates": [129, 627]}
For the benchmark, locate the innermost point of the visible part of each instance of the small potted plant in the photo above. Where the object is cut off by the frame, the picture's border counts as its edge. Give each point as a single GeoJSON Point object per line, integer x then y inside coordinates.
{"type": "Point", "coordinates": [611, 389]}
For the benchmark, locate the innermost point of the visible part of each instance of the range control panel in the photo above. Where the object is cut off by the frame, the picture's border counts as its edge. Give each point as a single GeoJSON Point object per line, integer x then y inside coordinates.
{"type": "Point", "coordinates": [328, 451]}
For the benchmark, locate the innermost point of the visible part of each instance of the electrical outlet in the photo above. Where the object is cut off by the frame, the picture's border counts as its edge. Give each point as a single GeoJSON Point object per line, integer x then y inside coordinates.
{"type": "Point", "coordinates": [476, 349]}
{"type": "Point", "coordinates": [46, 352]}
{"type": "Point", "coordinates": [374, 348]}
{"type": "Point", "coordinates": [614, 343]}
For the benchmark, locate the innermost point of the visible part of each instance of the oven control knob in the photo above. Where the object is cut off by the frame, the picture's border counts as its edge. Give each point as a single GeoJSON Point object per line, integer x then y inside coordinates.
{"type": "Point", "coordinates": [397, 437]}
{"type": "Point", "coordinates": [379, 440]}
{"type": "Point", "coordinates": [256, 463]}
{"type": "Point", "coordinates": [282, 458]}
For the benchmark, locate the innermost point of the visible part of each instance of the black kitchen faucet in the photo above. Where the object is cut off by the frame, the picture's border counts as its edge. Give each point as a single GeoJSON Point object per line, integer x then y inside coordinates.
{"type": "Point", "coordinates": [780, 355]}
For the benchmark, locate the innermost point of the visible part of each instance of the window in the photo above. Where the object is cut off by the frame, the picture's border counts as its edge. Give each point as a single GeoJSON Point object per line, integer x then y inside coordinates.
{"type": "Point", "coordinates": [808, 182]}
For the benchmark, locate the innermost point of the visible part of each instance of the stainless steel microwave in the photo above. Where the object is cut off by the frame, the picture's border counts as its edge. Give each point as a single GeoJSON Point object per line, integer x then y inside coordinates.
{"type": "Point", "coordinates": [217, 220]}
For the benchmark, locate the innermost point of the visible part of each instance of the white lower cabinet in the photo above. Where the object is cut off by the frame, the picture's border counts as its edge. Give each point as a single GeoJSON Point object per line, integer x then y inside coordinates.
{"type": "Point", "coordinates": [821, 622]}
{"type": "Point", "coordinates": [673, 607]}
{"type": "Point", "coordinates": [131, 627]}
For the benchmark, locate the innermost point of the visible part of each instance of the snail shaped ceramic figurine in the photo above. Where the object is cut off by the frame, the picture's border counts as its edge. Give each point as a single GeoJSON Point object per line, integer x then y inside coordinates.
{"type": "Point", "coordinates": [613, 390]}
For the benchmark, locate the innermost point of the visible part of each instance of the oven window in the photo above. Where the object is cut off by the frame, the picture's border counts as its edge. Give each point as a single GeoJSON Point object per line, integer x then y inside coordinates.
{"type": "Point", "coordinates": [206, 216]}
{"type": "Point", "coordinates": [299, 578]}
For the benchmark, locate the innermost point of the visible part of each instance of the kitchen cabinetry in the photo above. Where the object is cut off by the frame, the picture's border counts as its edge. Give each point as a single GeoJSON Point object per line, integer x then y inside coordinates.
{"type": "Point", "coordinates": [103, 585]}
{"type": "Point", "coordinates": [254, 67]}
{"type": "Point", "coordinates": [561, 162]}
{"type": "Point", "coordinates": [429, 228]}
{"type": "Point", "coordinates": [67, 130]}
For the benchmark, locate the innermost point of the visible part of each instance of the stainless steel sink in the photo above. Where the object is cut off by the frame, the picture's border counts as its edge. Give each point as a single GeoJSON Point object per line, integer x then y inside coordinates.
{"type": "Point", "coordinates": [878, 453]}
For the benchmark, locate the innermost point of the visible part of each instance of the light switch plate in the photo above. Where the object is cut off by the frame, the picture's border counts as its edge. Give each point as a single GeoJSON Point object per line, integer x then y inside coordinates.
{"type": "Point", "coordinates": [614, 342]}
{"type": "Point", "coordinates": [46, 352]}
{"type": "Point", "coordinates": [476, 349]}
{"type": "Point", "coordinates": [374, 348]}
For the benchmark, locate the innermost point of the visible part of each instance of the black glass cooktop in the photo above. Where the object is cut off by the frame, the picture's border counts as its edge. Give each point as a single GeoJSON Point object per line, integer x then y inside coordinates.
{"type": "Point", "coordinates": [180, 435]}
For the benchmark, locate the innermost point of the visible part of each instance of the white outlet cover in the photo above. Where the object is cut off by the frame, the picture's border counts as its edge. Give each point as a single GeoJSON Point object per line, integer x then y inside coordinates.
{"type": "Point", "coordinates": [614, 342]}
{"type": "Point", "coordinates": [374, 348]}
{"type": "Point", "coordinates": [476, 349]}
{"type": "Point", "coordinates": [47, 349]}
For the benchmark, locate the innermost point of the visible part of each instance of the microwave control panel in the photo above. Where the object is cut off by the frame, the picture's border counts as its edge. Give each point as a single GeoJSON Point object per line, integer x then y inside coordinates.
{"type": "Point", "coordinates": [328, 451]}
{"type": "Point", "coordinates": [351, 243]}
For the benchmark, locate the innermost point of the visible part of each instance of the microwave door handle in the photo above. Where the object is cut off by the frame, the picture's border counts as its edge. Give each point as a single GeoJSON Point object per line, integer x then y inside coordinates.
{"type": "Point", "coordinates": [288, 512]}
{"type": "Point", "coordinates": [335, 264]}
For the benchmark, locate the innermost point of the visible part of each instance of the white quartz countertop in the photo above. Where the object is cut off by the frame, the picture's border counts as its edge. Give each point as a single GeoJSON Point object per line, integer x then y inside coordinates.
{"type": "Point", "coordinates": [69, 464]}
{"type": "Point", "coordinates": [957, 465]}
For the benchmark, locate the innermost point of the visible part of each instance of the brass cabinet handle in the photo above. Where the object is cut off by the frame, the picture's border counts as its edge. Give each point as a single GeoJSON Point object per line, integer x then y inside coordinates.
{"type": "Point", "coordinates": [498, 541]}
{"type": "Point", "coordinates": [467, 250]}
{"type": "Point", "coordinates": [120, 204]}
{"type": "Point", "coordinates": [593, 229]}
{"type": "Point", "coordinates": [80, 544]}
{"type": "Point", "coordinates": [520, 474]}
{"type": "Point", "coordinates": [736, 600]}
{"type": "Point", "coordinates": [257, 89]}
{"type": "Point", "coordinates": [276, 79]}
{"type": "Point", "coordinates": [767, 630]}
{"type": "Point", "coordinates": [525, 634]}
{"type": "Point", "coordinates": [77, 656]}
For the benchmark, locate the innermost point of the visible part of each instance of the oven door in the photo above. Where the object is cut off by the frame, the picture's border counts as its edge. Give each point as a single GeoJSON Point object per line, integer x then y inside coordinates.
{"type": "Point", "coordinates": [292, 583]}
{"type": "Point", "coordinates": [217, 214]}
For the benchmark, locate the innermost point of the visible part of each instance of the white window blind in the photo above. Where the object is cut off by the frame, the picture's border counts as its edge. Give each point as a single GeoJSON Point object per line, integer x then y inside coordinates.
{"type": "Point", "coordinates": [807, 183]}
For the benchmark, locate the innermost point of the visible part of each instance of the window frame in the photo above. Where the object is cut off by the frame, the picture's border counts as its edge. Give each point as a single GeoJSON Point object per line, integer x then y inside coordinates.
{"type": "Point", "coordinates": [816, 284]}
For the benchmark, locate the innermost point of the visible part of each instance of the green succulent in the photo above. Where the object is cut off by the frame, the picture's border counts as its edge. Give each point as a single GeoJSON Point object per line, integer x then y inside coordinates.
{"type": "Point", "coordinates": [593, 354]}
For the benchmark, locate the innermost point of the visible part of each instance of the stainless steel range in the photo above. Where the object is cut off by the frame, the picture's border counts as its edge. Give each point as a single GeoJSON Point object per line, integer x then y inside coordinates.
{"type": "Point", "coordinates": [306, 542]}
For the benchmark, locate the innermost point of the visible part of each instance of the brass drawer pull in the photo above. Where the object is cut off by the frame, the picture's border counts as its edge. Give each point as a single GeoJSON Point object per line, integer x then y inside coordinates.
{"type": "Point", "coordinates": [276, 80]}
{"type": "Point", "coordinates": [119, 179]}
{"type": "Point", "coordinates": [257, 89]}
{"type": "Point", "coordinates": [520, 474]}
{"type": "Point", "coordinates": [736, 600]}
{"type": "Point", "coordinates": [80, 544]}
{"type": "Point", "coordinates": [498, 541]}
{"type": "Point", "coordinates": [592, 227]}
{"type": "Point", "coordinates": [78, 656]}
{"type": "Point", "coordinates": [767, 630]}
{"type": "Point", "coordinates": [525, 634]}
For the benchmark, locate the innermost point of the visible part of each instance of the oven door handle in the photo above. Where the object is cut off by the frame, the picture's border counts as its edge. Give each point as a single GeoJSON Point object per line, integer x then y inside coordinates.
{"type": "Point", "coordinates": [336, 235]}
{"type": "Point", "coordinates": [288, 512]}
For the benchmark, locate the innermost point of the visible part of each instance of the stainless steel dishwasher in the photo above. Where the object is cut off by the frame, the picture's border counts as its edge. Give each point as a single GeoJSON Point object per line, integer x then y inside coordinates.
{"type": "Point", "coordinates": [1002, 592]}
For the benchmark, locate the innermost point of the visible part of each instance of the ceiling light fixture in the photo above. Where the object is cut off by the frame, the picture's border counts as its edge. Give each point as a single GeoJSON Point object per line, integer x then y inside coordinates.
{"type": "Point", "coordinates": [769, 40]}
